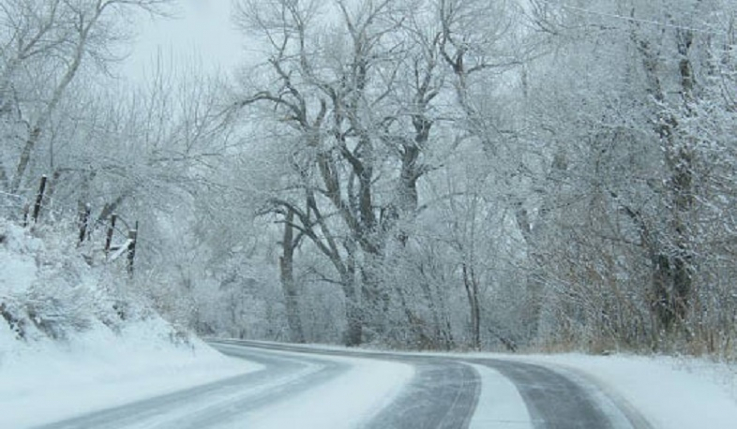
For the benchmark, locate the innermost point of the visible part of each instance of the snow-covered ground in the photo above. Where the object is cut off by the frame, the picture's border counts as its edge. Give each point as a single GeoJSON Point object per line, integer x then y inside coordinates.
{"type": "Point", "coordinates": [73, 340]}
{"type": "Point", "coordinates": [671, 393]}
{"type": "Point", "coordinates": [46, 382]}
{"type": "Point", "coordinates": [344, 402]}
{"type": "Point", "coordinates": [50, 382]}
{"type": "Point", "coordinates": [500, 404]}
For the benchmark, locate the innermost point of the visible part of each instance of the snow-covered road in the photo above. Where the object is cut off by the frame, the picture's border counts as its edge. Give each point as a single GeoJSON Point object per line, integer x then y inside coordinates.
{"type": "Point", "coordinates": [277, 396]}
{"type": "Point", "coordinates": [477, 392]}
{"type": "Point", "coordinates": [321, 388]}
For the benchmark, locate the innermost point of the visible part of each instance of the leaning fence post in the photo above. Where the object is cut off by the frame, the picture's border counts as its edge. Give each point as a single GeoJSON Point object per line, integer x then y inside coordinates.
{"type": "Point", "coordinates": [109, 234]}
{"type": "Point", "coordinates": [39, 199]}
{"type": "Point", "coordinates": [84, 221]}
{"type": "Point", "coordinates": [133, 237]}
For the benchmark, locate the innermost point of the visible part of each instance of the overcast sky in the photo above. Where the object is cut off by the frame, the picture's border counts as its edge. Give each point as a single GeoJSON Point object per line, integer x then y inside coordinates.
{"type": "Point", "coordinates": [202, 31]}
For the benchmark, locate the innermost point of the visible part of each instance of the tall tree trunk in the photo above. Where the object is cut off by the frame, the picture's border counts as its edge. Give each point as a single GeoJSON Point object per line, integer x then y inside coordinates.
{"type": "Point", "coordinates": [472, 293]}
{"type": "Point", "coordinates": [354, 312]}
{"type": "Point", "coordinates": [289, 287]}
{"type": "Point", "coordinates": [669, 247]}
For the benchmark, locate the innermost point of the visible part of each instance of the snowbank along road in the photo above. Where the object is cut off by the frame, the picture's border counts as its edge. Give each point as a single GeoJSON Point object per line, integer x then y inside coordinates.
{"type": "Point", "coordinates": [302, 387]}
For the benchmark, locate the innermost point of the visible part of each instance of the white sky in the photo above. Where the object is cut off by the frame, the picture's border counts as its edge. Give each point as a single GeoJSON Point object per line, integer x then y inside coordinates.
{"type": "Point", "coordinates": [202, 31]}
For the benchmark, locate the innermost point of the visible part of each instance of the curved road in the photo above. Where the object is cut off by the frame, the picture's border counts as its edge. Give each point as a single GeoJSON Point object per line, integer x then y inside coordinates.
{"type": "Point", "coordinates": [221, 402]}
{"type": "Point", "coordinates": [445, 392]}
{"type": "Point", "coordinates": [557, 401]}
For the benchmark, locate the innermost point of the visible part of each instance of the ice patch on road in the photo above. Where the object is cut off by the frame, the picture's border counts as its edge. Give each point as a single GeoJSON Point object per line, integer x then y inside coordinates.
{"type": "Point", "coordinates": [500, 404]}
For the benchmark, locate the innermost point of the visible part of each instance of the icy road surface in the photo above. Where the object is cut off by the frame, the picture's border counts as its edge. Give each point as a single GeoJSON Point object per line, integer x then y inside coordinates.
{"type": "Point", "coordinates": [316, 388]}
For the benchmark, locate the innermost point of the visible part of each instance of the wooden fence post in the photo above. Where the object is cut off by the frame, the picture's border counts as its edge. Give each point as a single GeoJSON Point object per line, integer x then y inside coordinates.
{"type": "Point", "coordinates": [133, 237]}
{"type": "Point", "coordinates": [109, 234]}
{"type": "Point", "coordinates": [84, 221]}
{"type": "Point", "coordinates": [39, 199]}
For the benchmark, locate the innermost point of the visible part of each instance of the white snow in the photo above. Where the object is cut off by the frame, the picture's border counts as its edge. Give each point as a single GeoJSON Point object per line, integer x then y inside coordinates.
{"type": "Point", "coordinates": [123, 248]}
{"type": "Point", "coordinates": [671, 393]}
{"type": "Point", "coordinates": [344, 402]}
{"type": "Point", "coordinates": [45, 382]}
{"type": "Point", "coordinates": [500, 404]}
{"type": "Point", "coordinates": [66, 350]}
{"type": "Point", "coordinates": [15, 273]}
{"type": "Point", "coordinates": [17, 263]}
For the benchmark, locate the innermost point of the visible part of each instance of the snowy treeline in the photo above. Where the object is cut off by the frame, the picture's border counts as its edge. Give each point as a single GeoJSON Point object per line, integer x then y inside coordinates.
{"type": "Point", "coordinates": [417, 173]}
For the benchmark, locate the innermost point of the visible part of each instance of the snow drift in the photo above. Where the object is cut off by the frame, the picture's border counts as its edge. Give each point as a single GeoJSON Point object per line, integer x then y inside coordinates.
{"type": "Point", "coordinates": [67, 324]}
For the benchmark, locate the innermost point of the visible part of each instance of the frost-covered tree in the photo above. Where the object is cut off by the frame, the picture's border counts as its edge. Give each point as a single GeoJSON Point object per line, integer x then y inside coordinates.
{"type": "Point", "coordinates": [635, 110]}
{"type": "Point", "coordinates": [46, 46]}
{"type": "Point", "coordinates": [357, 128]}
{"type": "Point", "coordinates": [368, 98]}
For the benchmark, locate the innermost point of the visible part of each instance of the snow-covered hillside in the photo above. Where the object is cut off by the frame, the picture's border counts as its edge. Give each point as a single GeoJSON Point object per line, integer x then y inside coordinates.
{"type": "Point", "coordinates": [68, 326]}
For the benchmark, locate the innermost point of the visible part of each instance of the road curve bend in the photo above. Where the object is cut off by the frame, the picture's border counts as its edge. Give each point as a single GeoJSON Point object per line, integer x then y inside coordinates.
{"type": "Point", "coordinates": [444, 392]}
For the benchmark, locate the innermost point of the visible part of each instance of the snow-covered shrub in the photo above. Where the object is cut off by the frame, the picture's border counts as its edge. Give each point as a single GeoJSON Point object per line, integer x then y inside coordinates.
{"type": "Point", "coordinates": [49, 290]}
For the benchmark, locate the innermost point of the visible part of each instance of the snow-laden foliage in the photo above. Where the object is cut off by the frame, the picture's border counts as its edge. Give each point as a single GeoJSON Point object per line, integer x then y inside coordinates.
{"type": "Point", "coordinates": [50, 292]}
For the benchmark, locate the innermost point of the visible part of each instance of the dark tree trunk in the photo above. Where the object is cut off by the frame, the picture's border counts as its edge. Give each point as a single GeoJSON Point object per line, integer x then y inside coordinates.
{"type": "Point", "coordinates": [472, 293]}
{"type": "Point", "coordinates": [670, 251]}
{"type": "Point", "coordinates": [289, 287]}
{"type": "Point", "coordinates": [354, 317]}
